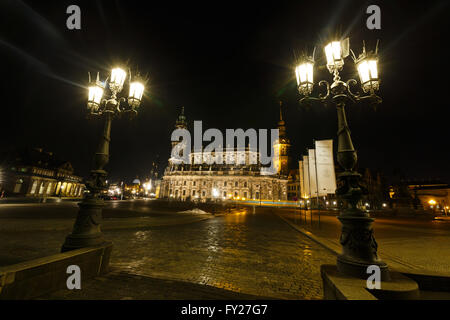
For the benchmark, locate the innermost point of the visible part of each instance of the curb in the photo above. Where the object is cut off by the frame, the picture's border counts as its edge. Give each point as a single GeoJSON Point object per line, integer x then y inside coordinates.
{"type": "Point", "coordinates": [310, 235]}
{"type": "Point", "coordinates": [401, 266]}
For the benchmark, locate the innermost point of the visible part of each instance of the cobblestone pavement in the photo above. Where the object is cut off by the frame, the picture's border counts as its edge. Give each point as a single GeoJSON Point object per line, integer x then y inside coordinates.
{"type": "Point", "coordinates": [254, 253]}
{"type": "Point", "coordinates": [403, 243]}
{"type": "Point", "coordinates": [30, 231]}
{"type": "Point", "coordinates": [244, 252]}
{"type": "Point", "coordinates": [119, 285]}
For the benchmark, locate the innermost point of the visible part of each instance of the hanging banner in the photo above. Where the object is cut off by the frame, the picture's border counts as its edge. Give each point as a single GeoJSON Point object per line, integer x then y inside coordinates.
{"type": "Point", "coordinates": [301, 179]}
{"type": "Point", "coordinates": [306, 178]}
{"type": "Point", "coordinates": [326, 176]}
{"type": "Point", "coordinates": [312, 172]}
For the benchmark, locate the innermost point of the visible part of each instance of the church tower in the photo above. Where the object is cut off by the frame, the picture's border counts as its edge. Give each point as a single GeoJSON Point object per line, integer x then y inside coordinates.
{"type": "Point", "coordinates": [179, 124]}
{"type": "Point", "coordinates": [282, 148]}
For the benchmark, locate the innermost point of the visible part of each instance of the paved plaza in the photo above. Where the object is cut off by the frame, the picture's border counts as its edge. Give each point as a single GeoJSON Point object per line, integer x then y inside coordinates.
{"type": "Point", "coordinates": [253, 253]}
{"type": "Point", "coordinates": [407, 243]}
{"type": "Point", "coordinates": [237, 254]}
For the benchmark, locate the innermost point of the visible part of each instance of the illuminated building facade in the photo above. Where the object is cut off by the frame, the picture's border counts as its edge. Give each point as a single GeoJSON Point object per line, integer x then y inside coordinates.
{"type": "Point", "coordinates": [431, 195]}
{"type": "Point", "coordinates": [242, 180]}
{"type": "Point", "coordinates": [37, 173]}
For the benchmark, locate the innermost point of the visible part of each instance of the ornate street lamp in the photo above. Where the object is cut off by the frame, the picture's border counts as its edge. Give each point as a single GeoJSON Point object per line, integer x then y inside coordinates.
{"type": "Point", "coordinates": [86, 231]}
{"type": "Point", "coordinates": [357, 240]}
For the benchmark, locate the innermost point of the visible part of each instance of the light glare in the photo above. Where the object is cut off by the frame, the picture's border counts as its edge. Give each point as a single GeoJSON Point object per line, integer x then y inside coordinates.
{"type": "Point", "coordinates": [333, 52]}
{"type": "Point", "coordinates": [95, 95]}
{"type": "Point", "coordinates": [118, 77]}
{"type": "Point", "coordinates": [136, 90]}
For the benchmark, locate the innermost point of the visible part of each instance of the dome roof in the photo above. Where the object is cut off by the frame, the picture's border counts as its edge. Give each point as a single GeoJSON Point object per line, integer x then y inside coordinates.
{"type": "Point", "coordinates": [136, 181]}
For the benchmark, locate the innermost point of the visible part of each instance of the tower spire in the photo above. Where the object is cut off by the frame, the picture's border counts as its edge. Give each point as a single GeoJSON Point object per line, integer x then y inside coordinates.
{"type": "Point", "coordinates": [281, 114]}
{"type": "Point", "coordinates": [181, 120]}
{"type": "Point", "coordinates": [281, 123]}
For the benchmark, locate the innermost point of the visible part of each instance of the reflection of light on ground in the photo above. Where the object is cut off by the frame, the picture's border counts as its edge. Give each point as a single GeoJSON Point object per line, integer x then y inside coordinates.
{"type": "Point", "coordinates": [142, 235]}
{"type": "Point", "coordinates": [226, 285]}
{"type": "Point", "coordinates": [206, 270]}
{"type": "Point", "coordinates": [132, 265]}
{"type": "Point", "coordinates": [237, 217]}
{"type": "Point", "coordinates": [213, 248]}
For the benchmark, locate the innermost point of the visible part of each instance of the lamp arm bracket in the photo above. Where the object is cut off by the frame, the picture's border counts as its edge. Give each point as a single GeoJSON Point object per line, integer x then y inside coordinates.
{"type": "Point", "coordinates": [355, 96]}
{"type": "Point", "coordinates": [119, 102]}
{"type": "Point", "coordinates": [373, 99]}
{"type": "Point", "coordinates": [327, 86]}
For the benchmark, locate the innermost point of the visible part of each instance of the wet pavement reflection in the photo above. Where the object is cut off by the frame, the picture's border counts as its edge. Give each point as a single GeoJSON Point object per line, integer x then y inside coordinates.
{"type": "Point", "coordinates": [254, 253]}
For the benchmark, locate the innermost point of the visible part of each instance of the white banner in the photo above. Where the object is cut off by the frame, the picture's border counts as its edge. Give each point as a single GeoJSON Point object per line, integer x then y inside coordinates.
{"type": "Point", "coordinates": [325, 167]}
{"type": "Point", "coordinates": [301, 179]}
{"type": "Point", "coordinates": [312, 172]}
{"type": "Point", "coordinates": [305, 177]}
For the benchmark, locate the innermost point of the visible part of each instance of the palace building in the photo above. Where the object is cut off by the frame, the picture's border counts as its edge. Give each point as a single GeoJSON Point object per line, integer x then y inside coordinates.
{"type": "Point", "coordinates": [37, 173]}
{"type": "Point", "coordinates": [245, 179]}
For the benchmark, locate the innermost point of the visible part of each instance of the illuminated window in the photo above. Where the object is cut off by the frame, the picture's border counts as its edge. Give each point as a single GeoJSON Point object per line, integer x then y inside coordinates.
{"type": "Point", "coordinates": [49, 188]}
{"type": "Point", "coordinates": [58, 187]}
{"type": "Point", "coordinates": [41, 188]}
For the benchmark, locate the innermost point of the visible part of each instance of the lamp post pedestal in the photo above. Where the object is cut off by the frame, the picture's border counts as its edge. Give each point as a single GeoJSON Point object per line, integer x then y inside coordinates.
{"type": "Point", "coordinates": [359, 248]}
{"type": "Point", "coordinates": [86, 230]}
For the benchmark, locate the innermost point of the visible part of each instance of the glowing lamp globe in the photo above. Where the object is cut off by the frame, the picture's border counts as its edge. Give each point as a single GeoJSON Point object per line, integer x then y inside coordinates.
{"type": "Point", "coordinates": [333, 53]}
{"type": "Point", "coordinates": [368, 73]}
{"type": "Point", "coordinates": [135, 94]}
{"type": "Point", "coordinates": [117, 79]}
{"type": "Point", "coordinates": [94, 96]}
{"type": "Point", "coordinates": [304, 75]}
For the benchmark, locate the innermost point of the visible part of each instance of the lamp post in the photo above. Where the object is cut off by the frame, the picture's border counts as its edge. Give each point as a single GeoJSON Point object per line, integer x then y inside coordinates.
{"type": "Point", "coordinates": [86, 231]}
{"type": "Point", "coordinates": [359, 248]}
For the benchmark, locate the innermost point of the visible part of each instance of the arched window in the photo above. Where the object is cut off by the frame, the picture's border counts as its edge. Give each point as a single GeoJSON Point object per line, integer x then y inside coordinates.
{"type": "Point", "coordinates": [33, 187]}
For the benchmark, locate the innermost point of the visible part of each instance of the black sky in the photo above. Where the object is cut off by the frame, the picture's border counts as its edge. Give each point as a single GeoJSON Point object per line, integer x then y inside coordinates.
{"type": "Point", "coordinates": [228, 63]}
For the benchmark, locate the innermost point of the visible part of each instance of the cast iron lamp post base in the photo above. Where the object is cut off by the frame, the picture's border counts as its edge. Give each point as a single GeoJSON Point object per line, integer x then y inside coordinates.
{"type": "Point", "coordinates": [359, 248]}
{"type": "Point", "coordinates": [86, 230]}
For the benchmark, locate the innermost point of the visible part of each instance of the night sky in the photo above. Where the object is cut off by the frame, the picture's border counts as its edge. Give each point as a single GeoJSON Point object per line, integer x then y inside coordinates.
{"type": "Point", "coordinates": [228, 64]}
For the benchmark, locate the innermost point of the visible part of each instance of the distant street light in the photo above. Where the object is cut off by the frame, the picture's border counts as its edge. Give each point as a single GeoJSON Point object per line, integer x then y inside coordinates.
{"type": "Point", "coordinates": [357, 240]}
{"type": "Point", "coordinates": [86, 231]}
